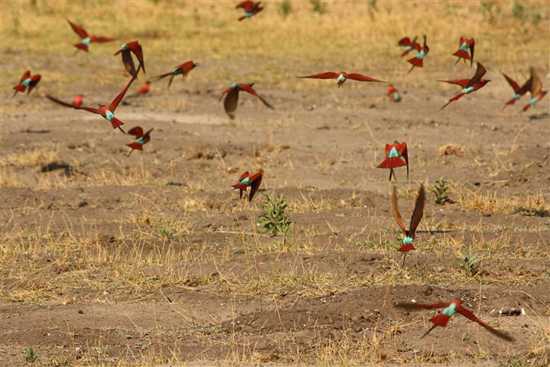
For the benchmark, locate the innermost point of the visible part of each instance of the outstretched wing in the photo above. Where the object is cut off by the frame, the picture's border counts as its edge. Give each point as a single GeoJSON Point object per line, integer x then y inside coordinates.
{"type": "Point", "coordinates": [480, 71]}
{"type": "Point", "coordinates": [395, 210]}
{"type": "Point", "coordinates": [231, 102]}
{"type": "Point", "coordinates": [128, 62]}
{"type": "Point", "coordinates": [470, 315]}
{"type": "Point", "coordinates": [136, 131]}
{"type": "Point", "coordinates": [512, 82]}
{"type": "Point", "coordinates": [26, 75]}
{"type": "Point", "coordinates": [361, 77]}
{"type": "Point", "coordinates": [460, 82]}
{"type": "Point", "coordinates": [418, 210]}
{"type": "Point", "coordinates": [250, 90]}
{"type": "Point", "coordinates": [114, 104]}
{"type": "Point", "coordinates": [472, 44]}
{"type": "Point", "coordinates": [326, 75]}
{"type": "Point", "coordinates": [79, 30]}
{"type": "Point", "coordinates": [101, 39]}
{"type": "Point", "coordinates": [62, 103]}
{"type": "Point", "coordinates": [413, 306]}
{"type": "Point", "coordinates": [255, 185]}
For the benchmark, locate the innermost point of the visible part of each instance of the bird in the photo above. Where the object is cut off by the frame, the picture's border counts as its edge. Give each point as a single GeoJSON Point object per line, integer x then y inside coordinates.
{"type": "Point", "coordinates": [393, 93]}
{"type": "Point", "coordinates": [396, 155]}
{"type": "Point", "coordinates": [143, 90]}
{"type": "Point", "coordinates": [27, 82]}
{"type": "Point", "coordinates": [230, 97]}
{"type": "Point", "coordinates": [408, 45]}
{"type": "Point", "coordinates": [465, 50]}
{"type": "Point", "coordinates": [247, 180]}
{"type": "Point", "coordinates": [518, 91]}
{"type": "Point", "coordinates": [141, 138]}
{"type": "Point", "coordinates": [86, 39]}
{"type": "Point", "coordinates": [126, 51]}
{"type": "Point", "coordinates": [341, 77]}
{"type": "Point", "coordinates": [468, 85]}
{"type": "Point", "coordinates": [251, 8]}
{"type": "Point", "coordinates": [407, 243]}
{"type": "Point", "coordinates": [78, 100]}
{"type": "Point", "coordinates": [535, 90]}
{"type": "Point", "coordinates": [183, 70]}
{"type": "Point", "coordinates": [421, 52]}
{"type": "Point", "coordinates": [449, 309]}
{"type": "Point", "coordinates": [107, 112]}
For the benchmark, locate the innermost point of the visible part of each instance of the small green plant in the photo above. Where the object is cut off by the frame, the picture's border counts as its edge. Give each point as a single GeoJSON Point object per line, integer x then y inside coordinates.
{"type": "Point", "coordinates": [519, 11]}
{"type": "Point", "coordinates": [471, 264]}
{"type": "Point", "coordinates": [285, 8]}
{"type": "Point", "coordinates": [30, 355]}
{"type": "Point", "coordinates": [318, 6]}
{"type": "Point", "coordinates": [274, 219]}
{"type": "Point", "coordinates": [441, 191]}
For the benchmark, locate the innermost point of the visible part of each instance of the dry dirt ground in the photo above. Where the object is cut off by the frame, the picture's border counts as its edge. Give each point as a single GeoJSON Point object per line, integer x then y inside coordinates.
{"type": "Point", "coordinates": [152, 259]}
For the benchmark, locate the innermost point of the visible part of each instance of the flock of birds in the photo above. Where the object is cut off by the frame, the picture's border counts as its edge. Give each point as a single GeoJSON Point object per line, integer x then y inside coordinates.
{"type": "Point", "coordinates": [395, 154]}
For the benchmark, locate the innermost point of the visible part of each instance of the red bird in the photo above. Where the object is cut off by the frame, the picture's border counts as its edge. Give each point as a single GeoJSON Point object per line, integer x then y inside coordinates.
{"type": "Point", "coordinates": [126, 51]}
{"type": "Point", "coordinates": [408, 45]}
{"type": "Point", "coordinates": [231, 100]}
{"type": "Point", "coordinates": [393, 93]}
{"type": "Point", "coordinates": [78, 100]}
{"type": "Point", "coordinates": [247, 180]}
{"type": "Point", "coordinates": [107, 112]}
{"type": "Point", "coordinates": [421, 52]}
{"type": "Point", "coordinates": [27, 82]}
{"type": "Point", "coordinates": [468, 85]}
{"type": "Point", "coordinates": [465, 50]}
{"type": "Point", "coordinates": [250, 8]}
{"type": "Point", "coordinates": [143, 90]}
{"type": "Point", "coordinates": [449, 309]}
{"type": "Point", "coordinates": [141, 138]}
{"type": "Point", "coordinates": [535, 90]}
{"type": "Point", "coordinates": [86, 39]}
{"type": "Point", "coordinates": [407, 243]}
{"type": "Point", "coordinates": [396, 155]}
{"type": "Point", "coordinates": [518, 91]}
{"type": "Point", "coordinates": [183, 70]}
{"type": "Point", "coordinates": [341, 77]}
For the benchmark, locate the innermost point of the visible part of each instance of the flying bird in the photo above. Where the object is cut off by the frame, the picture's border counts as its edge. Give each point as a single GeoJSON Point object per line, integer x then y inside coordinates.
{"type": "Point", "coordinates": [183, 70]}
{"type": "Point", "coordinates": [230, 97]}
{"type": "Point", "coordinates": [78, 100]}
{"type": "Point", "coordinates": [27, 82]}
{"type": "Point", "coordinates": [141, 138]}
{"type": "Point", "coordinates": [247, 180]}
{"type": "Point", "coordinates": [421, 52]}
{"type": "Point", "coordinates": [535, 90]}
{"type": "Point", "coordinates": [408, 45]}
{"type": "Point", "coordinates": [393, 93]}
{"type": "Point", "coordinates": [341, 77]}
{"type": "Point", "coordinates": [407, 243]}
{"type": "Point", "coordinates": [126, 51]}
{"type": "Point", "coordinates": [86, 39]}
{"type": "Point", "coordinates": [251, 8]}
{"type": "Point", "coordinates": [143, 90]}
{"type": "Point", "coordinates": [465, 50]}
{"type": "Point", "coordinates": [449, 309]}
{"type": "Point", "coordinates": [107, 112]}
{"type": "Point", "coordinates": [396, 155]}
{"type": "Point", "coordinates": [468, 85]}
{"type": "Point", "coordinates": [518, 91]}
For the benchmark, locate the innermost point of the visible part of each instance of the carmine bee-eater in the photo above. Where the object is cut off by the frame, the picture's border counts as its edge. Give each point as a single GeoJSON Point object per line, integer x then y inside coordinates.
{"type": "Point", "coordinates": [107, 112]}
{"type": "Point", "coordinates": [183, 70]}
{"type": "Point", "coordinates": [78, 100]}
{"type": "Point", "coordinates": [421, 52]}
{"type": "Point", "coordinates": [142, 91]}
{"type": "Point", "coordinates": [408, 45]}
{"type": "Point", "coordinates": [250, 8]}
{"type": "Point", "coordinates": [407, 243]}
{"type": "Point", "coordinates": [230, 97]}
{"type": "Point", "coordinates": [468, 85]}
{"type": "Point", "coordinates": [27, 82]}
{"type": "Point", "coordinates": [449, 309]}
{"type": "Point", "coordinates": [247, 180]}
{"type": "Point", "coordinates": [535, 90]}
{"type": "Point", "coordinates": [465, 50]}
{"type": "Point", "coordinates": [393, 93]}
{"type": "Point", "coordinates": [395, 155]}
{"type": "Point", "coordinates": [126, 51]}
{"type": "Point", "coordinates": [341, 77]}
{"type": "Point", "coordinates": [141, 138]}
{"type": "Point", "coordinates": [86, 39]}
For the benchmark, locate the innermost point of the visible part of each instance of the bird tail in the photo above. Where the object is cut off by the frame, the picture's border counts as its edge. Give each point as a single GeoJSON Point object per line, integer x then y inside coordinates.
{"type": "Point", "coordinates": [392, 163]}
{"type": "Point", "coordinates": [462, 54]}
{"type": "Point", "coordinates": [415, 61]}
{"type": "Point", "coordinates": [18, 88]}
{"type": "Point", "coordinates": [242, 18]}
{"type": "Point", "coordinates": [135, 146]}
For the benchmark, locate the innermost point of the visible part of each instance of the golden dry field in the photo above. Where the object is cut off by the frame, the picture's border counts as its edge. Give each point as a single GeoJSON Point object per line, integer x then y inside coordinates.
{"type": "Point", "coordinates": [152, 260]}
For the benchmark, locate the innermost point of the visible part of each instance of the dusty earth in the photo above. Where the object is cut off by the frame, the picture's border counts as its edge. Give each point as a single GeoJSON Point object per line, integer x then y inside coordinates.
{"type": "Point", "coordinates": [115, 260]}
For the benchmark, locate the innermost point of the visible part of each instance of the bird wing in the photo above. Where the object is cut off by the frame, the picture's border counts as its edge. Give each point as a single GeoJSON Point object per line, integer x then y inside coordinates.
{"type": "Point", "coordinates": [136, 49]}
{"type": "Point", "coordinates": [78, 29]}
{"type": "Point", "coordinates": [62, 103]}
{"type": "Point", "coordinates": [231, 102]}
{"type": "Point", "coordinates": [536, 84]}
{"type": "Point", "coordinates": [128, 62]}
{"type": "Point", "coordinates": [255, 184]}
{"type": "Point", "coordinates": [136, 131]}
{"type": "Point", "coordinates": [413, 306]}
{"type": "Point", "coordinates": [395, 211]}
{"type": "Point", "coordinates": [418, 210]}
{"type": "Point", "coordinates": [101, 39]}
{"type": "Point", "coordinates": [460, 82]}
{"type": "Point", "coordinates": [472, 44]}
{"type": "Point", "coordinates": [114, 104]}
{"type": "Point", "coordinates": [250, 90]}
{"type": "Point", "coordinates": [26, 75]}
{"type": "Point", "coordinates": [480, 71]}
{"type": "Point", "coordinates": [326, 75]}
{"type": "Point", "coordinates": [512, 82]}
{"type": "Point", "coordinates": [361, 77]}
{"type": "Point", "coordinates": [470, 315]}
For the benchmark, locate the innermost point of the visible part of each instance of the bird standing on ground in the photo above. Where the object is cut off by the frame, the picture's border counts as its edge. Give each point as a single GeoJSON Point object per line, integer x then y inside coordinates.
{"type": "Point", "coordinates": [247, 180]}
